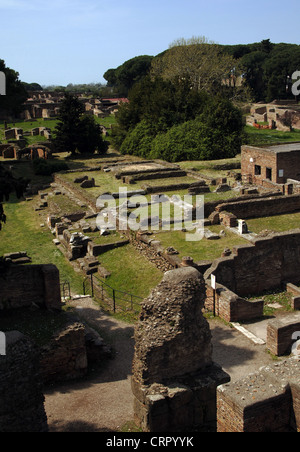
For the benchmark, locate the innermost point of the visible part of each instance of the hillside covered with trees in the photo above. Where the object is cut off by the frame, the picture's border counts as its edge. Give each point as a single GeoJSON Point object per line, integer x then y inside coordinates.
{"type": "Point", "coordinates": [184, 103]}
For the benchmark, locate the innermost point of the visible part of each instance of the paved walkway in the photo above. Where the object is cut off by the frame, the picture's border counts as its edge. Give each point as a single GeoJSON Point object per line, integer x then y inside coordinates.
{"type": "Point", "coordinates": [103, 401]}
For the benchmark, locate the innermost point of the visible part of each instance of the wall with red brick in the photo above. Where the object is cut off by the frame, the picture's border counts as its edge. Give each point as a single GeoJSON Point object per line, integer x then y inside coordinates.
{"type": "Point", "coordinates": [253, 269]}
{"type": "Point", "coordinates": [26, 285]}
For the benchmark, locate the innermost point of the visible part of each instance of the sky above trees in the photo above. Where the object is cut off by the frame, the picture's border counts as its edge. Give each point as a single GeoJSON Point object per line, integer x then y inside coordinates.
{"type": "Point", "coordinates": [77, 41]}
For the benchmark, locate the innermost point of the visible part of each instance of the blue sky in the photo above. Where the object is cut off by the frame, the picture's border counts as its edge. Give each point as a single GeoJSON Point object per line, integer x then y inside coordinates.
{"type": "Point", "coordinates": [76, 41]}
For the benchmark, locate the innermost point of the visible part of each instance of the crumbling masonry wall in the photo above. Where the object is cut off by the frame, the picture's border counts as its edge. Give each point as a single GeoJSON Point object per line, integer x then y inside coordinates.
{"type": "Point", "coordinates": [174, 379]}
{"type": "Point", "coordinates": [265, 401]}
{"type": "Point", "coordinates": [21, 399]}
{"type": "Point", "coordinates": [25, 285]}
{"type": "Point", "coordinates": [265, 265]}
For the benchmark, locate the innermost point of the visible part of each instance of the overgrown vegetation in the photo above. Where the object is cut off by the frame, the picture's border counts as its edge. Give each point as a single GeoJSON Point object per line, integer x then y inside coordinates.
{"type": "Point", "coordinates": [167, 120]}
{"type": "Point", "coordinates": [75, 131]}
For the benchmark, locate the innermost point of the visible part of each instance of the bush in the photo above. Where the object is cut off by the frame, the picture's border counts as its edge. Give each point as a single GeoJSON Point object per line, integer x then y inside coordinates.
{"type": "Point", "coordinates": [194, 140]}
{"type": "Point", "coordinates": [43, 167]}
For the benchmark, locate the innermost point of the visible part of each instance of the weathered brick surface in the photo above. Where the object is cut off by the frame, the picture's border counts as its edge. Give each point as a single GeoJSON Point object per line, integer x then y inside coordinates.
{"type": "Point", "coordinates": [25, 285]}
{"type": "Point", "coordinates": [230, 306]}
{"type": "Point", "coordinates": [280, 334]}
{"type": "Point", "coordinates": [253, 269]}
{"type": "Point", "coordinates": [174, 379]}
{"type": "Point", "coordinates": [21, 398]}
{"type": "Point", "coordinates": [262, 207]}
{"type": "Point", "coordinates": [261, 402]}
{"type": "Point", "coordinates": [284, 158]}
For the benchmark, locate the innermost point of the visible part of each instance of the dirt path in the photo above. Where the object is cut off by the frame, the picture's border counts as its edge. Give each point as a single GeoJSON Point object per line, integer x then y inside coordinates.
{"type": "Point", "coordinates": [103, 401]}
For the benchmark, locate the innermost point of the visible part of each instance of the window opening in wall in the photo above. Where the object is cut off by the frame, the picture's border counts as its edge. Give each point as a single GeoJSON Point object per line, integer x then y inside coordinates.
{"type": "Point", "coordinates": [269, 173]}
{"type": "Point", "coordinates": [257, 170]}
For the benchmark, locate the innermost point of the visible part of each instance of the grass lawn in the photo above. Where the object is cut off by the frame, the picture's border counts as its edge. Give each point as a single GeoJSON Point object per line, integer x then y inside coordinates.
{"type": "Point", "coordinates": [23, 232]}
{"type": "Point", "coordinates": [130, 271]}
{"type": "Point", "coordinates": [278, 223]}
{"type": "Point", "coordinates": [105, 182]}
{"type": "Point", "coordinates": [203, 249]}
{"type": "Point", "coordinates": [265, 136]}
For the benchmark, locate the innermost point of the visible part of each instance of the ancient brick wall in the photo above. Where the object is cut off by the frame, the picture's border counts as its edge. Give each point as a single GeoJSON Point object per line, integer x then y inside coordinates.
{"type": "Point", "coordinates": [21, 398]}
{"type": "Point", "coordinates": [263, 207]}
{"type": "Point", "coordinates": [253, 269]}
{"type": "Point", "coordinates": [265, 401]}
{"type": "Point", "coordinates": [230, 307]}
{"type": "Point", "coordinates": [65, 357]}
{"type": "Point", "coordinates": [174, 379]}
{"type": "Point", "coordinates": [280, 334]}
{"type": "Point", "coordinates": [258, 157]}
{"type": "Point", "coordinates": [25, 285]}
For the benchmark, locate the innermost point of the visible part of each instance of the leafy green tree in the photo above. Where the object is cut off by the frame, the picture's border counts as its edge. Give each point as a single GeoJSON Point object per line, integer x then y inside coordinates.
{"type": "Point", "coordinates": [75, 131]}
{"type": "Point", "coordinates": [203, 64]}
{"type": "Point", "coordinates": [125, 76]}
{"type": "Point", "coordinates": [215, 134]}
{"type": "Point", "coordinates": [161, 103]}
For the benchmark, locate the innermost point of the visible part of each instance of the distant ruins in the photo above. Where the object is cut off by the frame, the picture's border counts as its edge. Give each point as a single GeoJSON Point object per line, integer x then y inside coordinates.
{"type": "Point", "coordinates": [279, 115]}
{"type": "Point", "coordinates": [46, 104]}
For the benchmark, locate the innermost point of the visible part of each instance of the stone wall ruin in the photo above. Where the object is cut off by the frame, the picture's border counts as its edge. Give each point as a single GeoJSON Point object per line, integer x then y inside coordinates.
{"type": "Point", "coordinates": [21, 399]}
{"type": "Point", "coordinates": [174, 379]}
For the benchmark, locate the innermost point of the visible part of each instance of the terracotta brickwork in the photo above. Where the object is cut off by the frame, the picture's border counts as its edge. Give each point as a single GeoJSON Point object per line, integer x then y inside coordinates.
{"type": "Point", "coordinates": [265, 401]}
{"type": "Point", "coordinates": [274, 163]}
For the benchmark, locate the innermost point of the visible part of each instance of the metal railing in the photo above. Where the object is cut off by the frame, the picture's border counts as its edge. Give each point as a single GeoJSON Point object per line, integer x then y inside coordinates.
{"type": "Point", "coordinates": [118, 300]}
{"type": "Point", "coordinates": [65, 290]}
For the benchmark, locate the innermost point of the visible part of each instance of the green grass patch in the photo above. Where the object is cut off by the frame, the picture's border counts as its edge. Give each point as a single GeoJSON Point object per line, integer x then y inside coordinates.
{"type": "Point", "coordinates": [130, 271]}
{"type": "Point", "coordinates": [278, 223]}
{"type": "Point", "coordinates": [23, 232]}
{"type": "Point", "coordinates": [274, 297]}
{"type": "Point", "coordinates": [203, 249]}
{"type": "Point", "coordinates": [265, 136]}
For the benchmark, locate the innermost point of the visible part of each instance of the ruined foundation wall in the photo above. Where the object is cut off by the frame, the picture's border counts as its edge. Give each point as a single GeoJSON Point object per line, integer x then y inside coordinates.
{"type": "Point", "coordinates": [174, 379]}
{"type": "Point", "coordinates": [264, 207]}
{"type": "Point", "coordinates": [25, 285]}
{"type": "Point", "coordinates": [21, 399]}
{"type": "Point", "coordinates": [253, 269]}
{"type": "Point", "coordinates": [265, 401]}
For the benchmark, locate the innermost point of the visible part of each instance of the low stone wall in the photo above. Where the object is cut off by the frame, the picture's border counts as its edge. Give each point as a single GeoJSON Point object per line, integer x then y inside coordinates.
{"type": "Point", "coordinates": [77, 192]}
{"type": "Point", "coordinates": [262, 207]}
{"type": "Point", "coordinates": [70, 352]}
{"type": "Point", "coordinates": [65, 358]}
{"type": "Point", "coordinates": [265, 401]}
{"type": "Point", "coordinates": [154, 175]}
{"type": "Point", "coordinates": [230, 307]}
{"type": "Point", "coordinates": [26, 285]}
{"type": "Point", "coordinates": [94, 249]}
{"type": "Point", "coordinates": [210, 207]}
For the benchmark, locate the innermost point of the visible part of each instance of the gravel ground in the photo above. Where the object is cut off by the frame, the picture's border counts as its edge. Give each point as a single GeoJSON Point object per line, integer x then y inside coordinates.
{"type": "Point", "coordinates": [103, 401]}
